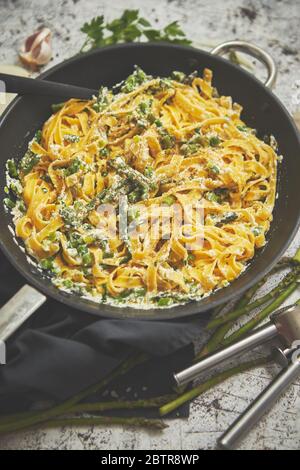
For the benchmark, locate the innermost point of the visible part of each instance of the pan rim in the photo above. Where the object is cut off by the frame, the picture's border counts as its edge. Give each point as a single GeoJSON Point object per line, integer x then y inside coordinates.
{"type": "Point", "coordinates": [194, 307]}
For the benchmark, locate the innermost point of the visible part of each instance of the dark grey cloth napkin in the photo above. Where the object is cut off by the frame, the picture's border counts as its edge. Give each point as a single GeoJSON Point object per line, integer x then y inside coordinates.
{"type": "Point", "coordinates": [56, 354]}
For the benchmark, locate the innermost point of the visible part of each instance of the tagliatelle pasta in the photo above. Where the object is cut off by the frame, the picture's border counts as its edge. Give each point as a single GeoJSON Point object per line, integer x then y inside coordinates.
{"type": "Point", "coordinates": [150, 196]}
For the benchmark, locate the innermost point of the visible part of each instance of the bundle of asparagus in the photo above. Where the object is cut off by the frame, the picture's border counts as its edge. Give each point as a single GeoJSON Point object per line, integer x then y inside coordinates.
{"type": "Point", "coordinates": [74, 412]}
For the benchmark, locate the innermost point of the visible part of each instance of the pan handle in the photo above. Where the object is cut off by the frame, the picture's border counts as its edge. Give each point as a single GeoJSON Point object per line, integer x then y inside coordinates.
{"type": "Point", "coordinates": [20, 307]}
{"type": "Point", "coordinates": [254, 51]}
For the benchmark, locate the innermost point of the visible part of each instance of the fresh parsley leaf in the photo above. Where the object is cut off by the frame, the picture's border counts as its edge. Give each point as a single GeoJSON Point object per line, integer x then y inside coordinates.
{"type": "Point", "coordinates": [129, 27]}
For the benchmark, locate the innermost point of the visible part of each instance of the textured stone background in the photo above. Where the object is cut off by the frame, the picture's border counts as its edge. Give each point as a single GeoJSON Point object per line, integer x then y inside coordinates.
{"type": "Point", "coordinates": [272, 24]}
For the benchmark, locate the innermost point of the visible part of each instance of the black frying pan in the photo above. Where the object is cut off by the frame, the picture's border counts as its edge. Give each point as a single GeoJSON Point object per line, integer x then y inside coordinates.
{"type": "Point", "coordinates": [262, 110]}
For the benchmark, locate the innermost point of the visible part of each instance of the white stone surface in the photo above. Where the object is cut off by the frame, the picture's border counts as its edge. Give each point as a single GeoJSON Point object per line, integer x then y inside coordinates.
{"type": "Point", "coordinates": [274, 25]}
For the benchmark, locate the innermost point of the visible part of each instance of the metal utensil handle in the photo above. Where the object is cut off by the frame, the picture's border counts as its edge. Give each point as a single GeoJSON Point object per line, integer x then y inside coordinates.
{"type": "Point", "coordinates": [256, 338]}
{"type": "Point", "coordinates": [23, 304]}
{"type": "Point", "coordinates": [260, 406]}
{"type": "Point", "coordinates": [254, 51]}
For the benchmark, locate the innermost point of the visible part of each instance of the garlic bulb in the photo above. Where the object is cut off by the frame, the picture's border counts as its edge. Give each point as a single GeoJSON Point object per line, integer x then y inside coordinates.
{"type": "Point", "coordinates": [37, 50]}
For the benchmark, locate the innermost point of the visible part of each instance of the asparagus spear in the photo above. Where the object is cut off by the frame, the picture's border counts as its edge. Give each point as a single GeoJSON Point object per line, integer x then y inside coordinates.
{"type": "Point", "coordinates": [262, 315]}
{"type": "Point", "coordinates": [107, 421]}
{"type": "Point", "coordinates": [286, 281]}
{"type": "Point", "coordinates": [120, 166]}
{"type": "Point", "coordinates": [216, 340]}
{"type": "Point", "coordinates": [204, 387]}
{"type": "Point", "coordinates": [98, 407]}
{"type": "Point", "coordinates": [64, 407]}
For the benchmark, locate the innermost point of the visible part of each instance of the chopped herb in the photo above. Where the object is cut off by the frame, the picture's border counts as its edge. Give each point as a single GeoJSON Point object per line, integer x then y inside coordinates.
{"type": "Point", "coordinates": [242, 128]}
{"type": "Point", "coordinates": [167, 141]}
{"type": "Point", "coordinates": [29, 161]}
{"type": "Point", "coordinates": [192, 145]}
{"type": "Point", "coordinates": [134, 80]}
{"type": "Point", "coordinates": [103, 100]}
{"type": "Point", "coordinates": [74, 215]}
{"type": "Point", "coordinates": [133, 214]}
{"type": "Point", "coordinates": [149, 171]}
{"type": "Point", "coordinates": [14, 185]}
{"type": "Point", "coordinates": [223, 193]}
{"type": "Point", "coordinates": [123, 295]}
{"type": "Point", "coordinates": [104, 152]}
{"type": "Point", "coordinates": [38, 136]}
{"type": "Point", "coordinates": [74, 167]}
{"type": "Point", "coordinates": [12, 169]}
{"type": "Point", "coordinates": [164, 301]}
{"type": "Point", "coordinates": [178, 76]}
{"type": "Point", "coordinates": [169, 200]}
{"type": "Point", "coordinates": [141, 292]}
{"type": "Point", "coordinates": [9, 203]}
{"type": "Point", "coordinates": [52, 237]}
{"type": "Point", "coordinates": [75, 239]}
{"type": "Point", "coordinates": [229, 217]}
{"type": "Point", "coordinates": [158, 123]}
{"type": "Point", "coordinates": [87, 259]}
{"type": "Point", "coordinates": [89, 239]}
{"type": "Point", "coordinates": [144, 107]}
{"type": "Point", "coordinates": [106, 249]}
{"type": "Point", "coordinates": [21, 206]}
{"type": "Point", "coordinates": [191, 257]}
{"type": "Point", "coordinates": [68, 283]}
{"type": "Point", "coordinates": [190, 78]}
{"type": "Point", "coordinates": [218, 195]}
{"type": "Point", "coordinates": [165, 84]}
{"type": "Point", "coordinates": [212, 197]}
{"type": "Point", "coordinates": [57, 107]}
{"type": "Point", "coordinates": [257, 231]}
{"type": "Point", "coordinates": [48, 264]}
{"type": "Point", "coordinates": [126, 259]}
{"type": "Point", "coordinates": [214, 141]}
{"type": "Point", "coordinates": [136, 196]}
{"type": "Point", "coordinates": [87, 271]}
{"type": "Point", "coordinates": [71, 138]}
{"type": "Point", "coordinates": [137, 181]}
{"type": "Point", "coordinates": [214, 169]}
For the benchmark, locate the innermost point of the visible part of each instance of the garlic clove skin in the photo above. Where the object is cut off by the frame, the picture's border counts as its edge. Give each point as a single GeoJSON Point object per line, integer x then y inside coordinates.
{"type": "Point", "coordinates": [37, 49]}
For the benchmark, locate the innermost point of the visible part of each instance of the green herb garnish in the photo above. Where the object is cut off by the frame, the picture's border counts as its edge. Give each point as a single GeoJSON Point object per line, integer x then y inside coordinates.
{"type": "Point", "coordinates": [229, 217]}
{"type": "Point", "coordinates": [104, 98]}
{"type": "Point", "coordinates": [164, 301]}
{"type": "Point", "coordinates": [130, 27]}
{"type": "Point", "coordinates": [38, 136]}
{"type": "Point", "coordinates": [12, 168]}
{"type": "Point", "coordinates": [9, 203]}
{"type": "Point", "coordinates": [71, 138]}
{"type": "Point", "coordinates": [214, 141]}
{"type": "Point", "coordinates": [256, 231]}
{"type": "Point", "coordinates": [48, 264]}
{"type": "Point", "coordinates": [169, 200]}
{"type": "Point", "coordinates": [57, 107]}
{"type": "Point", "coordinates": [242, 128]}
{"type": "Point", "coordinates": [134, 80]}
{"type": "Point", "coordinates": [74, 167]}
{"type": "Point", "coordinates": [214, 169]}
{"type": "Point", "coordinates": [104, 152]}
